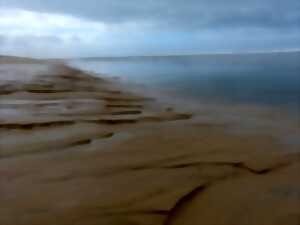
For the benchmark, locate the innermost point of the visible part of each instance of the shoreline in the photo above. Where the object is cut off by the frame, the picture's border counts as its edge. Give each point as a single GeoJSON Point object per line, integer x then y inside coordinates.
{"type": "Point", "coordinates": [89, 151]}
{"type": "Point", "coordinates": [244, 116]}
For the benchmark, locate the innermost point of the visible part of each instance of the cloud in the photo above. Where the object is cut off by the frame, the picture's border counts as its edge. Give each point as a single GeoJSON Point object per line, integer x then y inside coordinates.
{"type": "Point", "coordinates": [29, 33]}
{"type": "Point", "coordinates": [2, 40]}
{"type": "Point", "coordinates": [146, 27]}
{"type": "Point", "coordinates": [30, 45]}
{"type": "Point", "coordinates": [176, 14]}
{"type": "Point", "coordinates": [20, 22]}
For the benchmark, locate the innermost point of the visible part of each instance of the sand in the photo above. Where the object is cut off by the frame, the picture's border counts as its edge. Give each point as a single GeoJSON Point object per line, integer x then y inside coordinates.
{"type": "Point", "coordinates": [82, 150]}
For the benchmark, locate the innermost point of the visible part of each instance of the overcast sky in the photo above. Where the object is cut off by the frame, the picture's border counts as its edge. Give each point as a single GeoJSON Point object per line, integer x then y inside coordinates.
{"type": "Point", "coordinates": [73, 28]}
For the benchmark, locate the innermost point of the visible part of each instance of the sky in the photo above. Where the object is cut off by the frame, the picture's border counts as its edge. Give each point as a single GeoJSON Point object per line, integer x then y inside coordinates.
{"type": "Point", "coordinates": [89, 28]}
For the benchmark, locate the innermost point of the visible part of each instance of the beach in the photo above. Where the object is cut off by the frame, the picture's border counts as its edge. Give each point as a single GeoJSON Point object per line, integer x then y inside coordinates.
{"type": "Point", "coordinates": [79, 149]}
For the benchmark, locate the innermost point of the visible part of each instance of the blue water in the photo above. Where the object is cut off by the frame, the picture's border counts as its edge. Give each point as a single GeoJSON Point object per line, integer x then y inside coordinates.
{"type": "Point", "coordinates": [265, 79]}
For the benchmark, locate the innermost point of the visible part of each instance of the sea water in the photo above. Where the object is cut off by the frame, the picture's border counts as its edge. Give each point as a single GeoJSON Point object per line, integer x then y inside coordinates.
{"type": "Point", "coordinates": [268, 79]}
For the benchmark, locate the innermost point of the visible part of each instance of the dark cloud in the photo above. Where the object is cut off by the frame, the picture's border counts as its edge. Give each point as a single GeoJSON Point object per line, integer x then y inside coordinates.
{"type": "Point", "coordinates": [177, 14]}
{"type": "Point", "coordinates": [153, 27]}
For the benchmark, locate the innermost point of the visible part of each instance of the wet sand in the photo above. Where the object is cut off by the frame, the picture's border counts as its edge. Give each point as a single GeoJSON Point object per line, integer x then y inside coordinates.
{"type": "Point", "coordinates": [77, 149]}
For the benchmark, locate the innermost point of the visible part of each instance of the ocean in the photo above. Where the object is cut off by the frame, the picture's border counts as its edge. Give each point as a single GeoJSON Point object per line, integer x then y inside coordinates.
{"type": "Point", "coordinates": [266, 79]}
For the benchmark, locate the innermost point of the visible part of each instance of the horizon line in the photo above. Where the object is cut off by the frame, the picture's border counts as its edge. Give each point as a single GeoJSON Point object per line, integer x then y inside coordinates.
{"type": "Point", "coordinates": [194, 54]}
{"type": "Point", "coordinates": [162, 55]}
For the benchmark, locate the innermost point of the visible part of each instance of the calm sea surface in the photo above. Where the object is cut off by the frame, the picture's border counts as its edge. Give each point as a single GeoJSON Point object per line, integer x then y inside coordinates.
{"type": "Point", "coordinates": [263, 79]}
